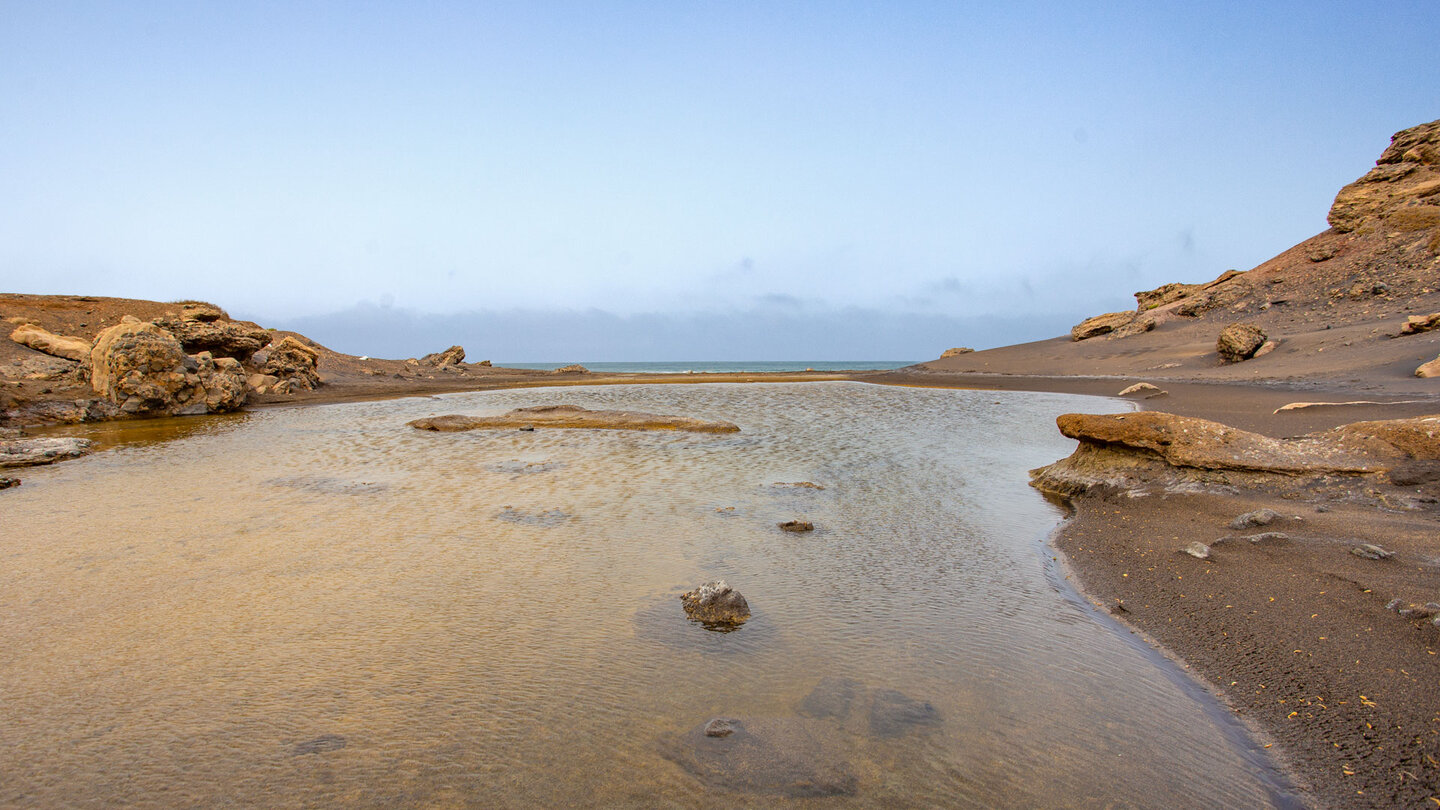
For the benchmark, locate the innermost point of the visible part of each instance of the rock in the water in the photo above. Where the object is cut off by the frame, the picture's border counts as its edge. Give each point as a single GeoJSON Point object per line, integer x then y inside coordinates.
{"type": "Point", "coordinates": [716, 603]}
{"type": "Point", "coordinates": [1415, 324]}
{"type": "Point", "coordinates": [41, 340]}
{"type": "Point", "coordinates": [797, 526]}
{"type": "Point", "coordinates": [1197, 549]}
{"type": "Point", "coordinates": [6, 483]}
{"type": "Point", "coordinates": [720, 727]}
{"type": "Point", "coordinates": [773, 756]}
{"type": "Point", "coordinates": [1370, 551]}
{"type": "Point", "coordinates": [1239, 341]}
{"type": "Point", "coordinates": [1259, 517]}
{"type": "Point", "coordinates": [294, 364]}
{"type": "Point", "coordinates": [1140, 388]}
{"type": "Point", "coordinates": [1428, 370]}
{"type": "Point", "coordinates": [571, 416]}
{"type": "Point", "coordinates": [894, 714]}
{"type": "Point", "coordinates": [956, 352]}
{"type": "Point", "coordinates": [1100, 325]}
{"type": "Point", "coordinates": [452, 356]}
{"type": "Point", "coordinates": [34, 452]}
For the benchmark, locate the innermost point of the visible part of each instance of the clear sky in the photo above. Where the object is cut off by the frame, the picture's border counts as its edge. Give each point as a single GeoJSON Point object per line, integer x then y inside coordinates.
{"type": "Point", "coordinates": [660, 180]}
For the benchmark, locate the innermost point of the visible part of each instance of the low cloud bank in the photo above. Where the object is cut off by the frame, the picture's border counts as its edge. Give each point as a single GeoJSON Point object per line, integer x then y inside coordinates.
{"type": "Point", "coordinates": [768, 333]}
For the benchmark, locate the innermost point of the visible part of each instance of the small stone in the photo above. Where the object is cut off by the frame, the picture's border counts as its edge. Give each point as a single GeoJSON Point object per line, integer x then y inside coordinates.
{"type": "Point", "coordinates": [1269, 537]}
{"type": "Point", "coordinates": [1393, 604]}
{"type": "Point", "coordinates": [797, 526]}
{"type": "Point", "coordinates": [1259, 517]}
{"type": "Point", "coordinates": [1370, 551]}
{"type": "Point", "coordinates": [1197, 549]}
{"type": "Point", "coordinates": [720, 727]}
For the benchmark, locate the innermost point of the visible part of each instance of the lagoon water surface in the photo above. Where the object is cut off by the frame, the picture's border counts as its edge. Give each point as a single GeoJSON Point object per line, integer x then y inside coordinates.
{"type": "Point", "coordinates": [323, 607]}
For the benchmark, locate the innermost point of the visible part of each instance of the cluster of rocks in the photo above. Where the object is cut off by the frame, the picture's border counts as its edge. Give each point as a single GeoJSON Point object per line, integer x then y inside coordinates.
{"type": "Point", "coordinates": [1401, 193]}
{"type": "Point", "coordinates": [1419, 324]}
{"type": "Point", "coordinates": [1264, 517]}
{"type": "Point", "coordinates": [193, 363]}
{"type": "Point", "coordinates": [1154, 306]}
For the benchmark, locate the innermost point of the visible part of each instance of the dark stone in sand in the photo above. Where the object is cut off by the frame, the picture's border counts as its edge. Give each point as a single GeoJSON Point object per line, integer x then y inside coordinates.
{"type": "Point", "coordinates": [1260, 517]}
{"type": "Point", "coordinates": [772, 756]}
{"type": "Point", "coordinates": [797, 526]}
{"type": "Point", "coordinates": [6, 483]}
{"type": "Point", "coordinates": [893, 714]}
{"type": "Point", "coordinates": [319, 745]}
{"type": "Point", "coordinates": [1370, 551]}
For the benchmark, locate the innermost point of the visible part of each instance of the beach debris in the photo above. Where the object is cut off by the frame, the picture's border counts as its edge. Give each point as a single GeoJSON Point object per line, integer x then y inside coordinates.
{"type": "Point", "coordinates": [720, 727]}
{"type": "Point", "coordinates": [35, 452]}
{"type": "Point", "coordinates": [790, 757]}
{"type": "Point", "coordinates": [1141, 388]}
{"type": "Point", "coordinates": [294, 363]}
{"type": "Point", "coordinates": [319, 745]}
{"type": "Point", "coordinates": [716, 603]}
{"type": "Point", "coordinates": [956, 352]}
{"type": "Point", "coordinates": [1370, 551]}
{"type": "Point", "coordinates": [1415, 324]}
{"type": "Point", "coordinates": [453, 356]}
{"type": "Point", "coordinates": [1197, 549]}
{"type": "Point", "coordinates": [796, 526]}
{"type": "Point", "coordinates": [6, 483]}
{"type": "Point", "coordinates": [1259, 517]}
{"type": "Point", "coordinates": [1239, 341]}
{"type": "Point", "coordinates": [573, 417]}
{"type": "Point", "coordinates": [42, 340]}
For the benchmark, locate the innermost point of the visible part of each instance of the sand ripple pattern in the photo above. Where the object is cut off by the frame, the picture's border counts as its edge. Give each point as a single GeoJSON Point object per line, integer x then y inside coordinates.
{"type": "Point", "coordinates": [324, 607]}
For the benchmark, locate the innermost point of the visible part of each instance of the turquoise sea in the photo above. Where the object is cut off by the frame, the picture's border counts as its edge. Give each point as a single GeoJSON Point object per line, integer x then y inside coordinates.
{"type": "Point", "coordinates": [726, 366]}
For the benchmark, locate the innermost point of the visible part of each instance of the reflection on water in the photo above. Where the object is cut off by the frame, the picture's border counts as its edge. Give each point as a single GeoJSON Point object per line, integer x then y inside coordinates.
{"type": "Point", "coordinates": [322, 606]}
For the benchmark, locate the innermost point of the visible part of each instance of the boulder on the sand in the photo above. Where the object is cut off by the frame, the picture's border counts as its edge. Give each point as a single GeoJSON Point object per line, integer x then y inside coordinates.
{"type": "Point", "coordinates": [1415, 324]}
{"type": "Point", "coordinates": [1100, 325]}
{"type": "Point", "coordinates": [452, 356]}
{"type": "Point", "coordinates": [1239, 341]}
{"type": "Point", "coordinates": [221, 338]}
{"type": "Point", "coordinates": [143, 369]}
{"type": "Point", "coordinates": [797, 526]}
{"type": "Point", "coordinates": [1428, 370]}
{"type": "Point", "coordinates": [1259, 517]}
{"type": "Point", "coordinates": [41, 340]}
{"type": "Point", "coordinates": [574, 368]}
{"type": "Point", "coordinates": [956, 352]}
{"type": "Point", "coordinates": [571, 416]}
{"type": "Point", "coordinates": [1151, 448]}
{"type": "Point", "coordinates": [34, 452]}
{"type": "Point", "coordinates": [783, 756]}
{"type": "Point", "coordinates": [294, 364]}
{"type": "Point", "coordinates": [716, 603]}
{"type": "Point", "coordinates": [1370, 551]}
{"type": "Point", "coordinates": [1197, 549]}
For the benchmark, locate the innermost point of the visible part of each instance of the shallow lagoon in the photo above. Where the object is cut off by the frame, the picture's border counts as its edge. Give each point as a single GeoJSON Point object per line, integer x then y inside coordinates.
{"type": "Point", "coordinates": [322, 606]}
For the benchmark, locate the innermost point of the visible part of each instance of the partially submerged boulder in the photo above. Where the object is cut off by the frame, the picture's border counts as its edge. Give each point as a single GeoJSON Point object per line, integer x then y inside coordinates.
{"type": "Point", "coordinates": [572, 416]}
{"type": "Point", "coordinates": [716, 603]}
{"type": "Point", "coordinates": [41, 340]}
{"type": "Point", "coordinates": [1239, 341]}
{"type": "Point", "coordinates": [1141, 450]}
{"type": "Point", "coordinates": [294, 364]}
{"type": "Point", "coordinates": [34, 452]}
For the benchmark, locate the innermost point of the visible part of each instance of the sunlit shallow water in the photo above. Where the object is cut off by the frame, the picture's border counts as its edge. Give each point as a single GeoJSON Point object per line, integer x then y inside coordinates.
{"type": "Point", "coordinates": [322, 606]}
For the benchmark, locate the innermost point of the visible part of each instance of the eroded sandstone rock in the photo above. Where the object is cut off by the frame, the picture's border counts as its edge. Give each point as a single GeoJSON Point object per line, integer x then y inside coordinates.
{"type": "Point", "coordinates": [1239, 341]}
{"type": "Point", "coordinates": [1100, 325]}
{"type": "Point", "coordinates": [1415, 324]}
{"type": "Point", "coordinates": [956, 352]}
{"type": "Point", "coordinates": [716, 603]}
{"type": "Point", "coordinates": [222, 338]}
{"type": "Point", "coordinates": [294, 364]}
{"type": "Point", "coordinates": [451, 356]}
{"type": "Point", "coordinates": [143, 369]}
{"type": "Point", "coordinates": [571, 416]}
{"type": "Point", "coordinates": [574, 368]}
{"type": "Point", "coordinates": [1402, 187]}
{"type": "Point", "coordinates": [1428, 370]}
{"type": "Point", "coordinates": [41, 340]}
{"type": "Point", "coordinates": [37, 451]}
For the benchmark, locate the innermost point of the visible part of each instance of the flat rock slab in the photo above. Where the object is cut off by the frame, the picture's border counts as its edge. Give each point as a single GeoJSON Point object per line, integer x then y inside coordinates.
{"type": "Point", "coordinates": [571, 416]}
{"type": "Point", "coordinates": [882, 713]}
{"type": "Point", "coordinates": [780, 756]}
{"type": "Point", "coordinates": [33, 452]}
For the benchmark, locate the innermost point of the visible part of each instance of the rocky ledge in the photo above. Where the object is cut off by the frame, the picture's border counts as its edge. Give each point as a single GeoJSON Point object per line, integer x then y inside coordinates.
{"type": "Point", "coordinates": [571, 416]}
{"type": "Point", "coordinates": [1141, 452]}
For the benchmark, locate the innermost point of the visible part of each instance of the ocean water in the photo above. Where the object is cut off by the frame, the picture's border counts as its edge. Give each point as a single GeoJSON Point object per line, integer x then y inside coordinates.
{"type": "Point", "coordinates": [319, 607]}
{"type": "Point", "coordinates": [727, 366]}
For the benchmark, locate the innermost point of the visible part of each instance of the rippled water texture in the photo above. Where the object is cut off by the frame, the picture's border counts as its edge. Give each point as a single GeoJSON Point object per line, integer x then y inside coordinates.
{"type": "Point", "coordinates": [322, 606]}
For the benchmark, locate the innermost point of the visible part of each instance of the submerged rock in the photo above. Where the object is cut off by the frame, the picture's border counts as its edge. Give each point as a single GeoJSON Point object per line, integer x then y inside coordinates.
{"type": "Point", "coordinates": [797, 526]}
{"type": "Point", "coordinates": [34, 452]}
{"type": "Point", "coordinates": [883, 713]}
{"type": "Point", "coordinates": [572, 417]}
{"type": "Point", "coordinates": [784, 756]}
{"type": "Point", "coordinates": [319, 745]}
{"type": "Point", "coordinates": [894, 714]}
{"type": "Point", "coordinates": [716, 602]}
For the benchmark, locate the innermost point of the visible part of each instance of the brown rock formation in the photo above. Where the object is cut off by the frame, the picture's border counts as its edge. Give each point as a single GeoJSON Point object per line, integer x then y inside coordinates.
{"type": "Point", "coordinates": [571, 416]}
{"type": "Point", "coordinates": [716, 603]}
{"type": "Point", "coordinates": [1402, 192]}
{"type": "Point", "coordinates": [70, 348]}
{"type": "Point", "coordinates": [1100, 325]}
{"type": "Point", "coordinates": [222, 338]}
{"type": "Point", "coordinates": [956, 352]}
{"type": "Point", "coordinates": [1239, 341]}
{"type": "Point", "coordinates": [454, 355]}
{"type": "Point", "coordinates": [143, 369]}
{"type": "Point", "coordinates": [294, 364]}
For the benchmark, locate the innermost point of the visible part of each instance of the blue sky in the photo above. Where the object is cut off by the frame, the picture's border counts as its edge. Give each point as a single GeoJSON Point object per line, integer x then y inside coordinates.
{"type": "Point", "coordinates": [792, 167]}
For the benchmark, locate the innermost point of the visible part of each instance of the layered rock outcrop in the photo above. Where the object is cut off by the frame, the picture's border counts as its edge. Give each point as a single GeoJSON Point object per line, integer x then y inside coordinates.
{"type": "Point", "coordinates": [453, 356]}
{"type": "Point", "coordinates": [222, 338]}
{"type": "Point", "coordinates": [1401, 192]}
{"type": "Point", "coordinates": [41, 340]}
